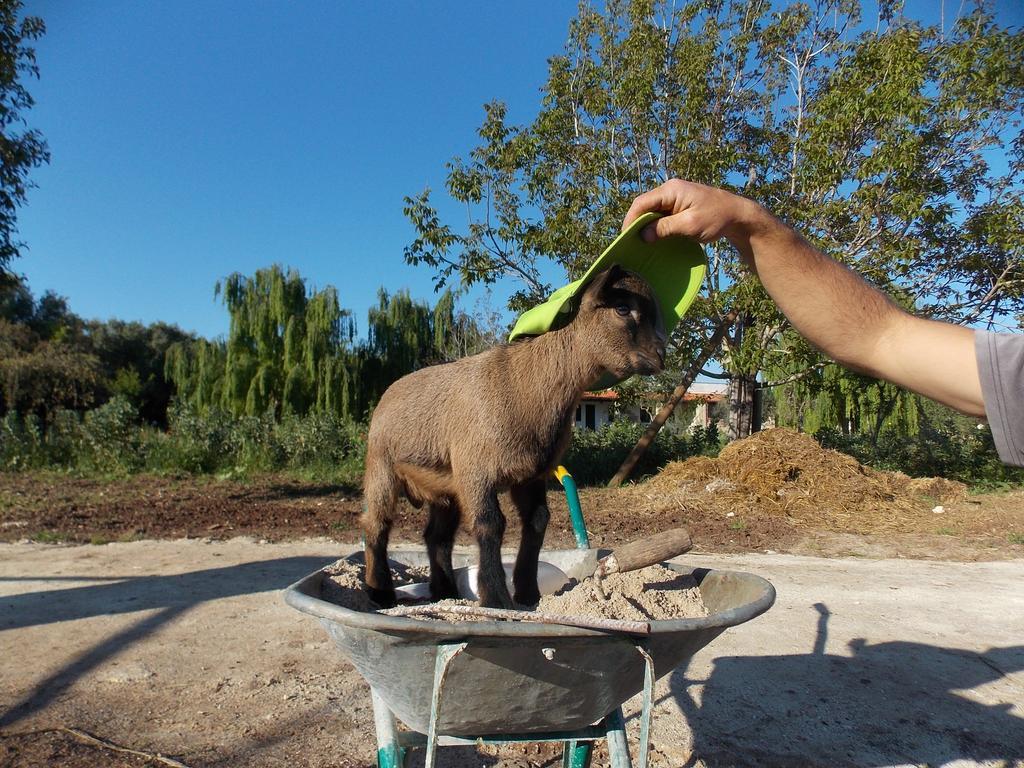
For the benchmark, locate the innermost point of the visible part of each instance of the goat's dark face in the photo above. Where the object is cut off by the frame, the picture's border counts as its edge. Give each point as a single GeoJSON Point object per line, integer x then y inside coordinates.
{"type": "Point", "coordinates": [624, 323]}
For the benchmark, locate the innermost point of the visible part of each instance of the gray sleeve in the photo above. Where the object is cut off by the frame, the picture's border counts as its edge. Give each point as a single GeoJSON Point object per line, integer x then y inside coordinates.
{"type": "Point", "coordinates": [1001, 367]}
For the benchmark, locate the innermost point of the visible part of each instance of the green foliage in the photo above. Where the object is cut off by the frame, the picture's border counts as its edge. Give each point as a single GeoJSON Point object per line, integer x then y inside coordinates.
{"type": "Point", "coordinates": [292, 352]}
{"type": "Point", "coordinates": [110, 439]}
{"type": "Point", "coordinates": [282, 347]}
{"type": "Point", "coordinates": [872, 139]}
{"type": "Point", "coordinates": [51, 359]}
{"type": "Point", "coordinates": [21, 442]}
{"type": "Point", "coordinates": [830, 397]}
{"type": "Point", "coordinates": [131, 357]}
{"type": "Point", "coordinates": [22, 150]}
{"type": "Point", "coordinates": [194, 443]}
{"type": "Point", "coordinates": [946, 444]}
{"type": "Point", "coordinates": [405, 335]}
{"type": "Point", "coordinates": [47, 376]}
{"type": "Point", "coordinates": [595, 455]}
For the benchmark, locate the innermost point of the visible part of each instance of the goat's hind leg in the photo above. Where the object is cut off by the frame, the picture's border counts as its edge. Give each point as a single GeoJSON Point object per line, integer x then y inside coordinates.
{"type": "Point", "coordinates": [530, 500]}
{"type": "Point", "coordinates": [380, 494]}
{"type": "Point", "coordinates": [442, 524]}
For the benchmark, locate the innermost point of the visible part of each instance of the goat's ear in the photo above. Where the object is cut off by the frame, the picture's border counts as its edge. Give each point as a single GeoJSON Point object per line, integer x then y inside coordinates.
{"type": "Point", "coordinates": [600, 284]}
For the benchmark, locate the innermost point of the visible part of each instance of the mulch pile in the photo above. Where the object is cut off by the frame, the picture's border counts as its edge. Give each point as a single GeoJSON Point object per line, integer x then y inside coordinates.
{"type": "Point", "coordinates": [786, 474]}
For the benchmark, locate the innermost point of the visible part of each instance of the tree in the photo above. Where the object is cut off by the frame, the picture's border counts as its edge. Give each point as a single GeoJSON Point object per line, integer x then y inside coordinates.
{"type": "Point", "coordinates": [21, 148]}
{"type": "Point", "coordinates": [404, 335]}
{"type": "Point", "coordinates": [50, 358]}
{"type": "Point", "coordinates": [45, 360]}
{"type": "Point", "coordinates": [293, 351]}
{"type": "Point", "coordinates": [893, 146]}
{"type": "Point", "coordinates": [132, 356]}
{"type": "Point", "coordinates": [285, 350]}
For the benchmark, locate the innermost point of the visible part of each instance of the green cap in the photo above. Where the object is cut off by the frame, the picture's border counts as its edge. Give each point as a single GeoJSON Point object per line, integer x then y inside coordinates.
{"type": "Point", "coordinates": [674, 266]}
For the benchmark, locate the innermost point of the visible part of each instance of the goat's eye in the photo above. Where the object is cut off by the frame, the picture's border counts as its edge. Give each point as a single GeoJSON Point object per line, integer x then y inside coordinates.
{"type": "Point", "coordinates": [622, 310]}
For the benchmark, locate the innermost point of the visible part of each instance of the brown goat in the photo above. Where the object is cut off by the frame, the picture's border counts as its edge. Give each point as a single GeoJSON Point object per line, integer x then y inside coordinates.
{"type": "Point", "coordinates": [453, 436]}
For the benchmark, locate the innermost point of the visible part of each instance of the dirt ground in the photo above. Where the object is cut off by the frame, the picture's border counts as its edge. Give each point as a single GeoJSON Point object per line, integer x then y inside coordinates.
{"type": "Point", "coordinates": [146, 613]}
{"type": "Point", "coordinates": [185, 649]}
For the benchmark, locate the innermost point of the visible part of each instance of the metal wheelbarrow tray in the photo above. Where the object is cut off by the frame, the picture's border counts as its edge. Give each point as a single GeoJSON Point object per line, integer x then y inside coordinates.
{"type": "Point", "coordinates": [502, 677]}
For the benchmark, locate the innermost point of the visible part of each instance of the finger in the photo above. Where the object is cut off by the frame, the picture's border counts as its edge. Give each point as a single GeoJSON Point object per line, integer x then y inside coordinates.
{"type": "Point", "coordinates": [658, 199]}
{"type": "Point", "coordinates": [681, 223]}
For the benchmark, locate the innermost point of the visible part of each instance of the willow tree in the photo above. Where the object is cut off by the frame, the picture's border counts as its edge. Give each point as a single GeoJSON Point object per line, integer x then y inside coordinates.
{"type": "Point", "coordinates": [286, 351]}
{"type": "Point", "coordinates": [404, 335]}
{"type": "Point", "coordinates": [196, 369]}
{"type": "Point", "coordinates": [893, 145]}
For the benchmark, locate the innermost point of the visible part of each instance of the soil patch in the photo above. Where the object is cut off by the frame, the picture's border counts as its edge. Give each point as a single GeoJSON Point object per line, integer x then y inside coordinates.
{"type": "Point", "coordinates": [771, 491]}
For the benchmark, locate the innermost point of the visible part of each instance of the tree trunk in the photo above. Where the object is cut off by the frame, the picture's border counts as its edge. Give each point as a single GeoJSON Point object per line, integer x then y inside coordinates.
{"type": "Point", "coordinates": [744, 406]}
{"type": "Point", "coordinates": [677, 395]}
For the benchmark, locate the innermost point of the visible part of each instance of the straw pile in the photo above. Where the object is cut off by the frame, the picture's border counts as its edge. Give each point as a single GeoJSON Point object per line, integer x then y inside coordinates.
{"type": "Point", "coordinates": [784, 473]}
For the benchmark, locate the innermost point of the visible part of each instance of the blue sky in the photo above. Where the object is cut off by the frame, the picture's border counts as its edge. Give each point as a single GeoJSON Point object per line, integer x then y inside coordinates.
{"type": "Point", "coordinates": [191, 140]}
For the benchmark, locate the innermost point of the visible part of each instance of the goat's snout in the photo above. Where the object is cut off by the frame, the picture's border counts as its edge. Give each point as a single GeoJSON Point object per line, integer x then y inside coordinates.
{"type": "Point", "coordinates": [648, 362]}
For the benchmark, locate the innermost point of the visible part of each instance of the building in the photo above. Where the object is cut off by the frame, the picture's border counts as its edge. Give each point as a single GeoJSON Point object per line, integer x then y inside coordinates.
{"type": "Point", "coordinates": [596, 409]}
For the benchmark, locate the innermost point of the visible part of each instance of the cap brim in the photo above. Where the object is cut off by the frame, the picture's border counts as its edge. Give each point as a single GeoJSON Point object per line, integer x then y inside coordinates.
{"type": "Point", "coordinates": [674, 266]}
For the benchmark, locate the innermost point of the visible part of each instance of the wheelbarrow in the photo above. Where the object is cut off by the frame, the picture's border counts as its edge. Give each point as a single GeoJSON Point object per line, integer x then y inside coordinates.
{"type": "Point", "coordinates": [499, 681]}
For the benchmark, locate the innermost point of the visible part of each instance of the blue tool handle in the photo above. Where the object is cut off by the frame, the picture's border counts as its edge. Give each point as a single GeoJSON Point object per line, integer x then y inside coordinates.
{"type": "Point", "coordinates": [572, 496]}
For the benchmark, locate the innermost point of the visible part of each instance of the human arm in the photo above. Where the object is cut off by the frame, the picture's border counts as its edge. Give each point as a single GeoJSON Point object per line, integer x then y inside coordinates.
{"type": "Point", "coordinates": [829, 304]}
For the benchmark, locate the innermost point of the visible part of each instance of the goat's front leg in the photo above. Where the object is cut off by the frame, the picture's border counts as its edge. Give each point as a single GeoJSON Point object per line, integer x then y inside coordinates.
{"type": "Point", "coordinates": [442, 524]}
{"type": "Point", "coordinates": [530, 500]}
{"type": "Point", "coordinates": [489, 528]}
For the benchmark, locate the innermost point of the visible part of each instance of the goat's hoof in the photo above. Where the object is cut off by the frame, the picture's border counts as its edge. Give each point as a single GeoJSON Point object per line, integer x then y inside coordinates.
{"type": "Point", "coordinates": [497, 601]}
{"type": "Point", "coordinates": [444, 591]}
{"type": "Point", "coordinates": [528, 596]}
{"type": "Point", "coordinates": [385, 598]}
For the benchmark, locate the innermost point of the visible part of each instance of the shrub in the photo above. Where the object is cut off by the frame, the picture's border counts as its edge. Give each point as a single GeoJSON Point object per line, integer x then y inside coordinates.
{"type": "Point", "coordinates": [323, 445]}
{"type": "Point", "coordinates": [64, 439]}
{"type": "Point", "coordinates": [193, 443]}
{"type": "Point", "coordinates": [21, 442]}
{"type": "Point", "coordinates": [110, 438]}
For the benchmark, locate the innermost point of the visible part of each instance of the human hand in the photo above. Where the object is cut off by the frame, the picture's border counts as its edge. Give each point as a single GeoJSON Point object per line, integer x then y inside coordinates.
{"type": "Point", "coordinates": [699, 212]}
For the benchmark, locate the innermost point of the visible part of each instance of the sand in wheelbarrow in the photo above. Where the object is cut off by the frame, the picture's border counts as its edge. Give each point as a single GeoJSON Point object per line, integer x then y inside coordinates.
{"type": "Point", "coordinates": [650, 594]}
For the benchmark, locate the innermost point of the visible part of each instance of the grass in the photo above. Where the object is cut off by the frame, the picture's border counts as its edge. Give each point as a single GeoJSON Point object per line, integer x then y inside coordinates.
{"type": "Point", "coordinates": [737, 525]}
{"type": "Point", "coordinates": [1016, 538]}
{"type": "Point", "coordinates": [944, 531]}
{"type": "Point", "coordinates": [48, 537]}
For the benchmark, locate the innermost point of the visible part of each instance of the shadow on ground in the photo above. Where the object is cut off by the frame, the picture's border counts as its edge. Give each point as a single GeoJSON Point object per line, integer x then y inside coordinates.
{"type": "Point", "coordinates": [885, 704]}
{"type": "Point", "coordinates": [170, 596]}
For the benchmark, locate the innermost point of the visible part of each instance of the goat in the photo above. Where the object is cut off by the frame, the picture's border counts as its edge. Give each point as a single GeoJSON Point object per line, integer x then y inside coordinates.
{"type": "Point", "coordinates": [451, 437]}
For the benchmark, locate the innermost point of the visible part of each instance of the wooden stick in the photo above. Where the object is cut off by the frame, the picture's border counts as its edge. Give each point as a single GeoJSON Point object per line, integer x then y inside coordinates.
{"type": "Point", "coordinates": [95, 740]}
{"type": "Point", "coordinates": [491, 614]}
{"type": "Point", "coordinates": [648, 551]}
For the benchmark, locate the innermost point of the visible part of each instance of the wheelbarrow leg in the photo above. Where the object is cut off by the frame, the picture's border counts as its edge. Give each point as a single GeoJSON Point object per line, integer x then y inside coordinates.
{"type": "Point", "coordinates": [646, 706]}
{"type": "Point", "coordinates": [445, 654]}
{"type": "Point", "coordinates": [576, 754]}
{"type": "Point", "coordinates": [389, 753]}
{"type": "Point", "coordinates": [618, 746]}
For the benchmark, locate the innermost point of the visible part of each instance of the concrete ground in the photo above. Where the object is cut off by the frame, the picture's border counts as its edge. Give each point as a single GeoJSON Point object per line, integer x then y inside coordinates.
{"type": "Point", "coordinates": [186, 648]}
